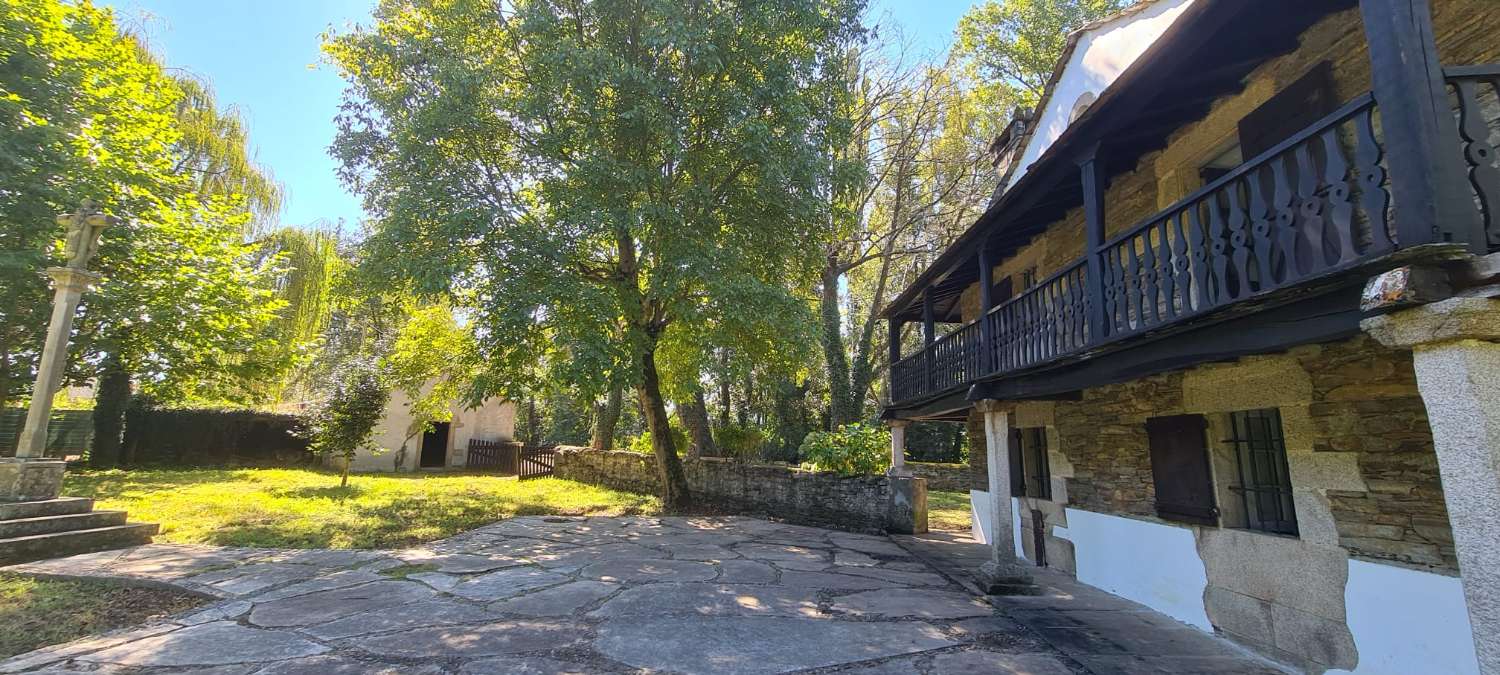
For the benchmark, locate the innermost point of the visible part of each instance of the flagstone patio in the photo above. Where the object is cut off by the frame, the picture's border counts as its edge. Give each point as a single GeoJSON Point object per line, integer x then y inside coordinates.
{"type": "Point", "coordinates": [563, 595]}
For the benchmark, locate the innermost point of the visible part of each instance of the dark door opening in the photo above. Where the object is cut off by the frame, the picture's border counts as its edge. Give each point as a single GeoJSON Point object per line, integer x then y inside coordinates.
{"type": "Point", "coordinates": [435, 446]}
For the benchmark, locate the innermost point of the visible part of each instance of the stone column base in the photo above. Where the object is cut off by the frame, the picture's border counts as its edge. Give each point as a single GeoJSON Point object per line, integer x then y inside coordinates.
{"type": "Point", "coordinates": [1006, 579]}
{"type": "Point", "coordinates": [907, 512]}
{"type": "Point", "coordinates": [28, 480]}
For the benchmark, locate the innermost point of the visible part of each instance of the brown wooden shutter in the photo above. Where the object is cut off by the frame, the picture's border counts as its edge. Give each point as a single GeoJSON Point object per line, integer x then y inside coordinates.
{"type": "Point", "coordinates": [1294, 108]}
{"type": "Point", "coordinates": [1180, 470]}
{"type": "Point", "coordinates": [1017, 467]}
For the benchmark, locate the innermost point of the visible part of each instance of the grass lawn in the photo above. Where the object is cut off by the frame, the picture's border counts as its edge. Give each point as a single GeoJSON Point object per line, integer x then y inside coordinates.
{"type": "Point", "coordinates": [303, 508]}
{"type": "Point", "coordinates": [37, 612]}
{"type": "Point", "coordinates": [948, 510]}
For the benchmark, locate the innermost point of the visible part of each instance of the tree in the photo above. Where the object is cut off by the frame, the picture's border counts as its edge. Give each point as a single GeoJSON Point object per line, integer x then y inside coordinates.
{"type": "Point", "coordinates": [344, 423]}
{"type": "Point", "coordinates": [605, 177]}
{"type": "Point", "coordinates": [1011, 46]}
{"type": "Point", "coordinates": [916, 172]}
{"type": "Point", "coordinates": [88, 114]}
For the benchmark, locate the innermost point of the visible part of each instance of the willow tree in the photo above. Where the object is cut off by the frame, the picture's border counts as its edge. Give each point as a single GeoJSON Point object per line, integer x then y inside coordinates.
{"type": "Point", "coordinates": [605, 176]}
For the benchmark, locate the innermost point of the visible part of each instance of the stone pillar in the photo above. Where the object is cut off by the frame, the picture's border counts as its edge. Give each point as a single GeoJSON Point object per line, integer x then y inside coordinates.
{"type": "Point", "coordinates": [69, 286]}
{"type": "Point", "coordinates": [1456, 351]}
{"type": "Point", "coordinates": [898, 449]}
{"type": "Point", "coordinates": [1003, 573]}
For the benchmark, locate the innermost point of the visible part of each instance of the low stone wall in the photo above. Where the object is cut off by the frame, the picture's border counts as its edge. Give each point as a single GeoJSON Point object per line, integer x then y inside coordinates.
{"type": "Point", "coordinates": [866, 503]}
{"type": "Point", "coordinates": [942, 476]}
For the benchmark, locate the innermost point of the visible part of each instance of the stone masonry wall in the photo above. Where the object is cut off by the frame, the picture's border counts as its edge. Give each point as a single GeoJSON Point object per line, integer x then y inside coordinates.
{"type": "Point", "coordinates": [942, 476]}
{"type": "Point", "coordinates": [862, 503]}
{"type": "Point", "coordinates": [1363, 410]}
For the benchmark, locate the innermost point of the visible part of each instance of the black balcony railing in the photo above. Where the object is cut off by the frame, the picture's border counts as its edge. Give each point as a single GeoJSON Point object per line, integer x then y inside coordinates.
{"type": "Point", "coordinates": [1315, 205]}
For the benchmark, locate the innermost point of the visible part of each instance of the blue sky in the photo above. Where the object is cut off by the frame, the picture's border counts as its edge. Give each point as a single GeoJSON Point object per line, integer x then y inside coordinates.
{"type": "Point", "coordinates": [263, 57]}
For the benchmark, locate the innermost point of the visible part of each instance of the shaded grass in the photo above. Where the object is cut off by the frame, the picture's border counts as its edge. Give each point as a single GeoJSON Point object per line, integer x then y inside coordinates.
{"type": "Point", "coordinates": [305, 508]}
{"type": "Point", "coordinates": [948, 510]}
{"type": "Point", "coordinates": [41, 612]}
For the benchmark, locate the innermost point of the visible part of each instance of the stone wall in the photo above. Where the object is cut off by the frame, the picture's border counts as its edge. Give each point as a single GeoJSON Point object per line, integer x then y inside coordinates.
{"type": "Point", "coordinates": [1364, 476]}
{"type": "Point", "coordinates": [862, 503]}
{"type": "Point", "coordinates": [943, 476]}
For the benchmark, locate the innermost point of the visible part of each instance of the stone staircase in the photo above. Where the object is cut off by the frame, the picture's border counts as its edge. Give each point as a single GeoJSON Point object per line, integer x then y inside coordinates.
{"type": "Point", "coordinates": [52, 528]}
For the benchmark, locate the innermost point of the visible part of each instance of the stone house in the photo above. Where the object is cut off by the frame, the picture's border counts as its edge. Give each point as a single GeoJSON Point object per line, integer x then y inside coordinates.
{"type": "Point", "coordinates": [445, 446]}
{"type": "Point", "coordinates": [1225, 338]}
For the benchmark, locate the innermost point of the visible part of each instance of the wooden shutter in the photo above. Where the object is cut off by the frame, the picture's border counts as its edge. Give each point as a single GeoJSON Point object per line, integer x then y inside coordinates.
{"type": "Point", "coordinates": [1180, 470]}
{"type": "Point", "coordinates": [1294, 108]}
{"type": "Point", "coordinates": [1017, 467]}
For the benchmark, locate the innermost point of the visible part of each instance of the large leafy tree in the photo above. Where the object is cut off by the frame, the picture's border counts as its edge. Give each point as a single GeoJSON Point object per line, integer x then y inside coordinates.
{"type": "Point", "coordinates": [1012, 46]}
{"type": "Point", "coordinates": [606, 177]}
{"type": "Point", "coordinates": [87, 114]}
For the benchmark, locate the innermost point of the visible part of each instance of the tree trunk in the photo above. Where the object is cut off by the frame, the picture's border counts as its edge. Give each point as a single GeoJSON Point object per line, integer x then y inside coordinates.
{"type": "Point", "coordinates": [109, 415]}
{"type": "Point", "coordinates": [669, 474]}
{"type": "Point", "coordinates": [694, 416]}
{"type": "Point", "coordinates": [841, 407]}
{"type": "Point", "coordinates": [606, 418]}
{"type": "Point", "coordinates": [724, 392]}
{"type": "Point", "coordinates": [344, 475]}
{"type": "Point", "coordinates": [5, 376]}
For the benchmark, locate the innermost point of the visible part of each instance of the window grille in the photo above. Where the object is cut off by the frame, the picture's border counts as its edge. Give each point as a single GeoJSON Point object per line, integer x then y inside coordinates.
{"type": "Point", "coordinates": [1265, 482]}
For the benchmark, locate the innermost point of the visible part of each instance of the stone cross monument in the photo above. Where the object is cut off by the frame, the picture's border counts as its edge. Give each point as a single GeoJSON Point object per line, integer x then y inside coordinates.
{"type": "Point", "coordinates": [30, 475]}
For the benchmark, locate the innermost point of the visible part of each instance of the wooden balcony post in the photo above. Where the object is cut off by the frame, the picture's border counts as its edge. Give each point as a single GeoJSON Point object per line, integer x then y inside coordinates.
{"type": "Point", "coordinates": [1429, 184]}
{"type": "Point", "coordinates": [986, 303]}
{"type": "Point", "coordinates": [895, 325]}
{"type": "Point", "coordinates": [1093, 210]}
{"type": "Point", "coordinates": [929, 334]}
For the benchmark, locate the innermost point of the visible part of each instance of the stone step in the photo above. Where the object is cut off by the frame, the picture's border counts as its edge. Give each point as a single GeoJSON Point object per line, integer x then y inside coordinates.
{"type": "Point", "coordinates": [58, 544]}
{"type": "Point", "coordinates": [47, 507]}
{"type": "Point", "coordinates": [22, 527]}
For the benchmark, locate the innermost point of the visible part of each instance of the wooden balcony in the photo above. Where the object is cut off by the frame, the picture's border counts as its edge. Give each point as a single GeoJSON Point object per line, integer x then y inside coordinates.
{"type": "Point", "coordinates": [1314, 207]}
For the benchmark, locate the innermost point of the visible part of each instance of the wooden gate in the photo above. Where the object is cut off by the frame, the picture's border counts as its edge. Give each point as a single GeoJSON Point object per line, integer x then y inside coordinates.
{"type": "Point", "coordinates": [537, 462]}
{"type": "Point", "coordinates": [503, 457]}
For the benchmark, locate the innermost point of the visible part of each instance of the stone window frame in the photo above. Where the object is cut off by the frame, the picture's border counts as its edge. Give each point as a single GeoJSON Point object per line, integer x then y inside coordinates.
{"type": "Point", "coordinates": [1224, 463]}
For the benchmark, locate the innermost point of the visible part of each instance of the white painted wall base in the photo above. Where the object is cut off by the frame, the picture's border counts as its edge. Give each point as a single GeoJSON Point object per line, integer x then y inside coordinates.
{"type": "Point", "coordinates": [980, 518]}
{"type": "Point", "coordinates": [1407, 621]}
{"type": "Point", "coordinates": [1154, 564]}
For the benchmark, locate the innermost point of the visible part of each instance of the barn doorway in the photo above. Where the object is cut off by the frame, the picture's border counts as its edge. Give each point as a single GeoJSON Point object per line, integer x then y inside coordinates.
{"type": "Point", "coordinates": [435, 446]}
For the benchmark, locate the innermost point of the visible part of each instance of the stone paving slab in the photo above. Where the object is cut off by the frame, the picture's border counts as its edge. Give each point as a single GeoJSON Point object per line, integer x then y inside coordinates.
{"type": "Point", "coordinates": [602, 595]}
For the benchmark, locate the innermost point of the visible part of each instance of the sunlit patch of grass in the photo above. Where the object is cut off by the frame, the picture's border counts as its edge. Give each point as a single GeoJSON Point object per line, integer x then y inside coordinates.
{"type": "Point", "coordinates": [41, 612]}
{"type": "Point", "coordinates": [948, 510]}
{"type": "Point", "coordinates": [305, 508]}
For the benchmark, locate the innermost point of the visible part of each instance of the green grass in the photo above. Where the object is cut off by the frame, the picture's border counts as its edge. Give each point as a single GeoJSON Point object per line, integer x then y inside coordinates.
{"type": "Point", "coordinates": [948, 510]}
{"type": "Point", "coordinates": [302, 508]}
{"type": "Point", "coordinates": [41, 612]}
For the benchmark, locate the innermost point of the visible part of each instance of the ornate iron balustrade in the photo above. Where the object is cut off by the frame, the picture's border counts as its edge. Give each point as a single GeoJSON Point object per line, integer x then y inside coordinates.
{"type": "Point", "coordinates": [1312, 206]}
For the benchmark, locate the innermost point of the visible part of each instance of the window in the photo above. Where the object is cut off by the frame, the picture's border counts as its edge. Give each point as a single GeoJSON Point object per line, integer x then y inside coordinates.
{"type": "Point", "coordinates": [1028, 278]}
{"type": "Point", "coordinates": [1265, 484]}
{"type": "Point", "coordinates": [1294, 108]}
{"type": "Point", "coordinates": [1080, 106]}
{"type": "Point", "coordinates": [1222, 163]}
{"type": "Point", "coordinates": [1030, 473]}
{"type": "Point", "coordinates": [1180, 469]}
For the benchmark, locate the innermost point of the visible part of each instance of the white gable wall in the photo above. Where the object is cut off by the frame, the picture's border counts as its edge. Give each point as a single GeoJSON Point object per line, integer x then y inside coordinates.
{"type": "Point", "coordinates": [1101, 54]}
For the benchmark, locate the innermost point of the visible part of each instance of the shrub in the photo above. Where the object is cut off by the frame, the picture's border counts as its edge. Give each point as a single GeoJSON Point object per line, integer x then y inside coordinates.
{"type": "Point", "coordinates": [740, 440]}
{"type": "Point", "coordinates": [642, 444]}
{"type": "Point", "coordinates": [853, 449]}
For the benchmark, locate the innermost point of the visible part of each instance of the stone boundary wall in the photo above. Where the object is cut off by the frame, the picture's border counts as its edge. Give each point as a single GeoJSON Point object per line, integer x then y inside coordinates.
{"type": "Point", "coordinates": [942, 476]}
{"type": "Point", "coordinates": [862, 503]}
